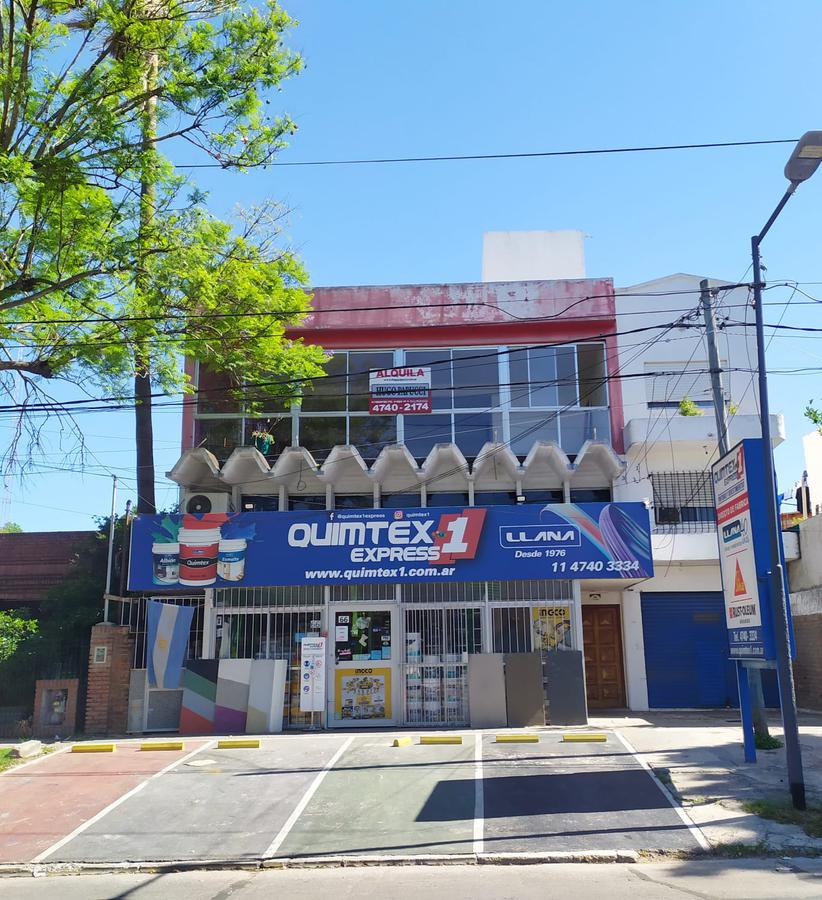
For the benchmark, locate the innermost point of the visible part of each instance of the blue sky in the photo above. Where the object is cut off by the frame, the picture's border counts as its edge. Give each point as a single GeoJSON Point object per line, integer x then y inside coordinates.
{"type": "Point", "coordinates": [458, 77]}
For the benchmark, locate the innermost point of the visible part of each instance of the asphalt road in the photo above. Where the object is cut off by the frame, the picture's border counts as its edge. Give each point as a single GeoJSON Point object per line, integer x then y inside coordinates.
{"type": "Point", "coordinates": [674, 880]}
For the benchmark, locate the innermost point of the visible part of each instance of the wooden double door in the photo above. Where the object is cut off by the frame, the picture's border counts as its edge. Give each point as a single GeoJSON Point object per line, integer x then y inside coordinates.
{"type": "Point", "coordinates": [602, 641]}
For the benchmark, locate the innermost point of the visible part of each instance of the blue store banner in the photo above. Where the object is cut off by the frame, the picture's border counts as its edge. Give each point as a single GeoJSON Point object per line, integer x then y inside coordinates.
{"type": "Point", "coordinates": [450, 544]}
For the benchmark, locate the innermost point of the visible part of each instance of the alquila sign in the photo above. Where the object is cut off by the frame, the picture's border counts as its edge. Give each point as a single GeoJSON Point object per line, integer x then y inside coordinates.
{"type": "Point", "coordinates": [499, 543]}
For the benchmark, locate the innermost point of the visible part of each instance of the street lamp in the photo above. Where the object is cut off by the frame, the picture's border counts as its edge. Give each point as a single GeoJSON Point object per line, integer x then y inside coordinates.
{"type": "Point", "coordinates": [803, 162]}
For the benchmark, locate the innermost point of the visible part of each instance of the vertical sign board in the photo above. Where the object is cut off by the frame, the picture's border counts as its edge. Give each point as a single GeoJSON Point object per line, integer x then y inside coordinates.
{"type": "Point", "coordinates": [312, 674]}
{"type": "Point", "coordinates": [405, 391]}
{"type": "Point", "coordinates": [739, 485]}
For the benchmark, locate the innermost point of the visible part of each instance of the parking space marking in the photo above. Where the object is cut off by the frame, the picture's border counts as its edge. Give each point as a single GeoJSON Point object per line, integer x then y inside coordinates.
{"type": "Point", "coordinates": [120, 800]}
{"type": "Point", "coordinates": [696, 832]}
{"type": "Point", "coordinates": [479, 798]}
{"type": "Point", "coordinates": [274, 846]}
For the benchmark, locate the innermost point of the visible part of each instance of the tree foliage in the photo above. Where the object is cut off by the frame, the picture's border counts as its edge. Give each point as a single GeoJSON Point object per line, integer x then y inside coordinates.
{"type": "Point", "coordinates": [94, 291]}
{"type": "Point", "coordinates": [814, 415]}
{"type": "Point", "coordinates": [15, 627]}
{"type": "Point", "coordinates": [10, 528]}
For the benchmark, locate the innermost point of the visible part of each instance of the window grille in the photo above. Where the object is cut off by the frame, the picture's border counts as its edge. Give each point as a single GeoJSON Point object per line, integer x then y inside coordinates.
{"type": "Point", "coordinates": [683, 501]}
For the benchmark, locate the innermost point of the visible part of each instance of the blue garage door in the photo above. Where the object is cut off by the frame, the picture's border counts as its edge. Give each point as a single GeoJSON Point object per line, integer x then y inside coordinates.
{"type": "Point", "coordinates": [686, 652]}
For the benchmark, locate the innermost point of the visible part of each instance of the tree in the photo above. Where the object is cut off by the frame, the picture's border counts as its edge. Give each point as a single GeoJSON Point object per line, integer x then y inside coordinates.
{"type": "Point", "coordinates": [814, 415]}
{"type": "Point", "coordinates": [10, 528]}
{"type": "Point", "coordinates": [14, 629]}
{"type": "Point", "coordinates": [111, 266]}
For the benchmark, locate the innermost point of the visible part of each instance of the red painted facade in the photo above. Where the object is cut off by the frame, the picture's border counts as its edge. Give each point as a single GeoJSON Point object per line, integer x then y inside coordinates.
{"type": "Point", "coordinates": [463, 315]}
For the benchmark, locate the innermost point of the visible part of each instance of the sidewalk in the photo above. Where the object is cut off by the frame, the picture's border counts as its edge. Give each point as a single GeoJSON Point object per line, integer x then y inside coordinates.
{"type": "Point", "coordinates": [698, 754]}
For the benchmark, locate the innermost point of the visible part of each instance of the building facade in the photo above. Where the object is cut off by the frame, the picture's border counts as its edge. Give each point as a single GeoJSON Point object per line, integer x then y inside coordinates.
{"type": "Point", "coordinates": [543, 392]}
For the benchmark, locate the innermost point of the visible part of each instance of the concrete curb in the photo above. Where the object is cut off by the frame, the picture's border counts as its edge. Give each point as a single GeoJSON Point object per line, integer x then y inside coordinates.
{"type": "Point", "coordinates": [39, 870]}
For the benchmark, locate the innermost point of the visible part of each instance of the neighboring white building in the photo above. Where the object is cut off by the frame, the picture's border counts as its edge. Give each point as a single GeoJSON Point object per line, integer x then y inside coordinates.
{"type": "Point", "coordinates": [674, 623]}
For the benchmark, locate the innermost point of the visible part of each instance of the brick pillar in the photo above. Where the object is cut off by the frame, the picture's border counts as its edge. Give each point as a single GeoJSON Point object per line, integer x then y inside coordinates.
{"type": "Point", "coordinates": [109, 664]}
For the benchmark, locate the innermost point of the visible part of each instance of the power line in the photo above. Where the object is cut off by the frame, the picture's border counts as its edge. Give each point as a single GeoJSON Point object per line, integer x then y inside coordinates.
{"type": "Point", "coordinates": [542, 154]}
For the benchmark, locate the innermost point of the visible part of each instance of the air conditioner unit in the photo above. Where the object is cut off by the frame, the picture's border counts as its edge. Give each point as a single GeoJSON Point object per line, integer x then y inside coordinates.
{"type": "Point", "coordinates": [207, 503]}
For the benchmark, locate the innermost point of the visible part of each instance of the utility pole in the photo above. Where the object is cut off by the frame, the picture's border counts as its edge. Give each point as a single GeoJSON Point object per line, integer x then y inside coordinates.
{"type": "Point", "coordinates": [754, 675]}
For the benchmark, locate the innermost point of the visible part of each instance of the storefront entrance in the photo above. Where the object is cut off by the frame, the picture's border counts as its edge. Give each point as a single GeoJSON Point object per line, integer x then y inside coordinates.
{"type": "Point", "coordinates": [364, 689]}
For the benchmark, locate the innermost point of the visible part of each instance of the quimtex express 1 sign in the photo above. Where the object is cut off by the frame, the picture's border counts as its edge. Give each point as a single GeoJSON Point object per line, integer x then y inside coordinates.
{"type": "Point", "coordinates": [497, 543]}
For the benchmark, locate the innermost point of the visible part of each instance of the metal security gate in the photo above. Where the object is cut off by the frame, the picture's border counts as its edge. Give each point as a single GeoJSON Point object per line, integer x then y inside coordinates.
{"type": "Point", "coordinates": [269, 623]}
{"type": "Point", "coordinates": [686, 651]}
{"type": "Point", "coordinates": [437, 643]}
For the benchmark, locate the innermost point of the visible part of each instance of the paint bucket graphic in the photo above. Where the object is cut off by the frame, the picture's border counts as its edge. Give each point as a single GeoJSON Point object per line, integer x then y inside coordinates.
{"type": "Point", "coordinates": [166, 563]}
{"type": "Point", "coordinates": [231, 559]}
{"type": "Point", "coordinates": [199, 548]}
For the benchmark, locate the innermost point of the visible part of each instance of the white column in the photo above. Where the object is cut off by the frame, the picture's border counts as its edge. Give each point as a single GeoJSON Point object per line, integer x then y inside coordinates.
{"type": "Point", "coordinates": [329, 497]}
{"type": "Point", "coordinates": [209, 625]}
{"type": "Point", "coordinates": [636, 681]}
{"type": "Point", "coordinates": [377, 495]}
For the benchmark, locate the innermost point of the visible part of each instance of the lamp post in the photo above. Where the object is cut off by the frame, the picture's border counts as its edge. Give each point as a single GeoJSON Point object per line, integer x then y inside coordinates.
{"type": "Point", "coordinates": [803, 162]}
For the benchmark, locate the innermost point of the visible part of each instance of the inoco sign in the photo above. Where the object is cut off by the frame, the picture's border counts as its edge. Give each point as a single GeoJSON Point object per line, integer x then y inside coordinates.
{"type": "Point", "coordinates": [405, 390]}
{"type": "Point", "coordinates": [742, 533]}
{"type": "Point", "coordinates": [498, 543]}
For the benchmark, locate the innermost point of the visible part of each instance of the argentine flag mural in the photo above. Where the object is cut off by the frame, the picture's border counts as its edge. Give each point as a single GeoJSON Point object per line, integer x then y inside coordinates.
{"type": "Point", "coordinates": [168, 627]}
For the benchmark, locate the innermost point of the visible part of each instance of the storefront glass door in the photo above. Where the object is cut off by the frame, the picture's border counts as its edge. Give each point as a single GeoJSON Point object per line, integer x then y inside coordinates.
{"type": "Point", "coordinates": [364, 688]}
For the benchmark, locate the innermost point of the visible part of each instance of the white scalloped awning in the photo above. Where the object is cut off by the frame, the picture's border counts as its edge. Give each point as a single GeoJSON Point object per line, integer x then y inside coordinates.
{"type": "Point", "coordinates": [297, 469]}
{"type": "Point", "coordinates": [197, 469]}
{"type": "Point", "coordinates": [495, 468]}
{"type": "Point", "coordinates": [246, 464]}
{"type": "Point", "coordinates": [346, 471]}
{"type": "Point", "coordinates": [547, 466]}
{"type": "Point", "coordinates": [445, 469]}
{"type": "Point", "coordinates": [595, 460]}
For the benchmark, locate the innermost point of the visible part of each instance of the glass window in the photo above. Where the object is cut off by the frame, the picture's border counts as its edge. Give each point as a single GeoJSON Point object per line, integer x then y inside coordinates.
{"type": "Point", "coordinates": [554, 496]}
{"type": "Point", "coordinates": [544, 389]}
{"type": "Point", "coordinates": [591, 495]}
{"type": "Point", "coordinates": [448, 498]}
{"type": "Point", "coordinates": [578, 427]}
{"type": "Point", "coordinates": [422, 432]}
{"type": "Point", "coordinates": [473, 430]}
{"type": "Point", "coordinates": [353, 501]}
{"type": "Point", "coordinates": [566, 376]}
{"type": "Point", "coordinates": [318, 434]}
{"type": "Point", "coordinates": [476, 378]}
{"type": "Point", "coordinates": [309, 501]}
{"type": "Point", "coordinates": [439, 362]}
{"type": "Point", "coordinates": [219, 436]}
{"type": "Point", "coordinates": [400, 500]}
{"type": "Point", "coordinates": [269, 436]}
{"type": "Point", "coordinates": [592, 377]}
{"type": "Point", "coordinates": [369, 434]}
{"type": "Point", "coordinates": [360, 636]}
{"type": "Point", "coordinates": [359, 367]}
{"type": "Point", "coordinates": [518, 378]}
{"type": "Point", "coordinates": [259, 503]}
{"type": "Point", "coordinates": [328, 394]}
{"type": "Point", "coordinates": [526, 428]}
{"type": "Point", "coordinates": [495, 498]}
{"type": "Point", "coordinates": [214, 392]}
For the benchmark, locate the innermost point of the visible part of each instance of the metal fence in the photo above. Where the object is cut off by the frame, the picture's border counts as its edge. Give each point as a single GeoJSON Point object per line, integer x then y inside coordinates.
{"type": "Point", "coordinates": [683, 502]}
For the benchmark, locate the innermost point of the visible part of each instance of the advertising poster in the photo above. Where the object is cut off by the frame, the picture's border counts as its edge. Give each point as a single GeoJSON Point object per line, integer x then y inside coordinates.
{"type": "Point", "coordinates": [552, 627]}
{"type": "Point", "coordinates": [404, 390]}
{"type": "Point", "coordinates": [362, 546]}
{"type": "Point", "coordinates": [363, 693]}
{"type": "Point", "coordinates": [312, 674]}
{"type": "Point", "coordinates": [742, 533]}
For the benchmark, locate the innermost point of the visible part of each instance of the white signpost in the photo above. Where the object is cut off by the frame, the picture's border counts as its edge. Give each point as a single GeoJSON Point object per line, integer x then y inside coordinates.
{"type": "Point", "coordinates": [312, 675]}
